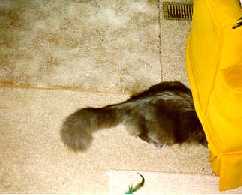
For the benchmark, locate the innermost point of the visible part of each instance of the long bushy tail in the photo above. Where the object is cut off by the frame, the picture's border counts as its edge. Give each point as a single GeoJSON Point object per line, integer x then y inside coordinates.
{"type": "Point", "coordinates": [78, 127]}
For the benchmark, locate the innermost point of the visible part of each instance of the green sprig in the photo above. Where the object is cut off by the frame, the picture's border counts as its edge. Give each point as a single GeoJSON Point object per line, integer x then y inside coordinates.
{"type": "Point", "coordinates": [135, 188]}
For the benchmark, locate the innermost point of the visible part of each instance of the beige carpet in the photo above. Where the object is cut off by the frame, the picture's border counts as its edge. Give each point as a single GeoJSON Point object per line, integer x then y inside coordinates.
{"type": "Point", "coordinates": [79, 44]}
{"type": "Point", "coordinates": [33, 160]}
{"type": "Point", "coordinates": [173, 43]}
{"type": "Point", "coordinates": [108, 48]}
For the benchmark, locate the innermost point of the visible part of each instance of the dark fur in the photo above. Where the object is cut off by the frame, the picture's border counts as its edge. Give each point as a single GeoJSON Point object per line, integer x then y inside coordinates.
{"type": "Point", "coordinates": [163, 114]}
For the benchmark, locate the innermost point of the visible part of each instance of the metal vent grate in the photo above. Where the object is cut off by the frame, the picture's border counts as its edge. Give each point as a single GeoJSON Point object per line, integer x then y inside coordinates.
{"type": "Point", "coordinates": [177, 11]}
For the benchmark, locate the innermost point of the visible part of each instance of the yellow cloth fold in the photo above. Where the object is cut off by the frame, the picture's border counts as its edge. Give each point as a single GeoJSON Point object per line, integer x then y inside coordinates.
{"type": "Point", "coordinates": [214, 66]}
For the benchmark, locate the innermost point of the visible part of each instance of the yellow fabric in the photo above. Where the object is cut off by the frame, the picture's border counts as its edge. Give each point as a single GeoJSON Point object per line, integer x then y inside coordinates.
{"type": "Point", "coordinates": [214, 66]}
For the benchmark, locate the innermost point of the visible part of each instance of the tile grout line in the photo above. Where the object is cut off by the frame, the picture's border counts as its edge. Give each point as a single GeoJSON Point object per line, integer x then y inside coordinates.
{"type": "Point", "coordinates": [160, 34]}
{"type": "Point", "coordinates": [57, 88]}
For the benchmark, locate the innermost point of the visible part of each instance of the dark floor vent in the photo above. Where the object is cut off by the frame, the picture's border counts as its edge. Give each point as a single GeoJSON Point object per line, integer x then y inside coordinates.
{"type": "Point", "coordinates": [177, 11]}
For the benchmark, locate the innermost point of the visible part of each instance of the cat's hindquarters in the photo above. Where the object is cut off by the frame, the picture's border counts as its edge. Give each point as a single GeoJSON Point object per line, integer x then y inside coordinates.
{"type": "Point", "coordinates": [163, 114]}
{"type": "Point", "coordinates": [78, 127]}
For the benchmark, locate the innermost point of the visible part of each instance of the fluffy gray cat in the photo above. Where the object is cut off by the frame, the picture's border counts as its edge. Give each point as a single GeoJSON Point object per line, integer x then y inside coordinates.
{"type": "Point", "coordinates": [163, 114]}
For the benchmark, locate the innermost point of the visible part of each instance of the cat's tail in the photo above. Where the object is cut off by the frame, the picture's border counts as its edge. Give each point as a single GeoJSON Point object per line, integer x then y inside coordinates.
{"type": "Point", "coordinates": [78, 127]}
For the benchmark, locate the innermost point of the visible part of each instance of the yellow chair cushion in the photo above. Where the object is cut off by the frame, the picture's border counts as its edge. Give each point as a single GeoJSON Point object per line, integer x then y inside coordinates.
{"type": "Point", "coordinates": [214, 66]}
